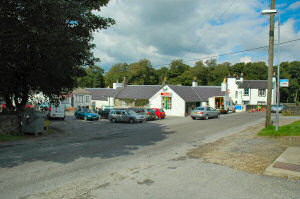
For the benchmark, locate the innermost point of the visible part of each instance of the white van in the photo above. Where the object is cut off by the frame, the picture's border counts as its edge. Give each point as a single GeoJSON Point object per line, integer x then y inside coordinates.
{"type": "Point", "coordinates": [57, 111]}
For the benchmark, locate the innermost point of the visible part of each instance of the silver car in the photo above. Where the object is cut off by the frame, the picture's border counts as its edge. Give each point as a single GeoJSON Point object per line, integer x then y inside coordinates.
{"type": "Point", "coordinates": [274, 108]}
{"type": "Point", "coordinates": [125, 116]}
{"type": "Point", "coordinates": [204, 113]}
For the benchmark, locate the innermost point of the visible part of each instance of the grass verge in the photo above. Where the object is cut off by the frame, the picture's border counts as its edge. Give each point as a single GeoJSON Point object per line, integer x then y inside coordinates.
{"type": "Point", "coordinates": [292, 129]}
{"type": "Point", "coordinates": [5, 138]}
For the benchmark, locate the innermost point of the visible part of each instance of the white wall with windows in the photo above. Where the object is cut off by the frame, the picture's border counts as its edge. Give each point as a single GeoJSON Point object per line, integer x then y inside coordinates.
{"type": "Point", "coordinates": [82, 100]}
{"type": "Point", "coordinates": [168, 100]}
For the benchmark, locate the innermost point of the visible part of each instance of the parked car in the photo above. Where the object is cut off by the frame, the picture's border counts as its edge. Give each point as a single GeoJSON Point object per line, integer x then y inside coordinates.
{"type": "Point", "coordinates": [2, 106]}
{"type": "Point", "coordinates": [204, 113]}
{"type": "Point", "coordinates": [160, 113]}
{"type": "Point", "coordinates": [29, 105]}
{"type": "Point", "coordinates": [57, 111]}
{"type": "Point", "coordinates": [86, 114]}
{"type": "Point", "coordinates": [149, 114]}
{"type": "Point", "coordinates": [137, 110]}
{"type": "Point", "coordinates": [104, 113]}
{"type": "Point", "coordinates": [125, 116]}
{"type": "Point", "coordinates": [44, 106]}
{"type": "Point", "coordinates": [280, 108]}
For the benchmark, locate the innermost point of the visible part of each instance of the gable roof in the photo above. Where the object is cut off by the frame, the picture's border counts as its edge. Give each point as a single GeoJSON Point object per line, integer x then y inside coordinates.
{"type": "Point", "coordinates": [101, 93]}
{"type": "Point", "coordinates": [197, 93]}
{"type": "Point", "coordinates": [138, 91]}
{"type": "Point", "coordinates": [258, 84]}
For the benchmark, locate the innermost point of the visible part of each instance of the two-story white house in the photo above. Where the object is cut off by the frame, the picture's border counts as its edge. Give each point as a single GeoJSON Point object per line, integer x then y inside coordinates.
{"type": "Point", "coordinates": [248, 92]}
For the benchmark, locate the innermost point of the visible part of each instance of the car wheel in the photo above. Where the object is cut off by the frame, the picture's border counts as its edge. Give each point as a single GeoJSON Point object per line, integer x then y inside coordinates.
{"type": "Point", "coordinates": [131, 121]}
{"type": "Point", "coordinates": [113, 120]}
{"type": "Point", "coordinates": [193, 118]}
{"type": "Point", "coordinates": [218, 115]}
{"type": "Point", "coordinates": [206, 117]}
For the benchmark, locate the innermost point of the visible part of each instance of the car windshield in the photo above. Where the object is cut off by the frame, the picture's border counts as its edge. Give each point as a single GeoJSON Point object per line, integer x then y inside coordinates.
{"type": "Point", "coordinates": [130, 112]}
{"type": "Point", "coordinates": [200, 109]}
{"type": "Point", "coordinates": [87, 110]}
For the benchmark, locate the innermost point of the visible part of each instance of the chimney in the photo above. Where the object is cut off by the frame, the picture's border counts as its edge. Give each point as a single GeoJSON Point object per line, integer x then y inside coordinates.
{"type": "Point", "coordinates": [124, 83]}
{"type": "Point", "coordinates": [242, 77]}
{"type": "Point", "coordinates": [195, 82]}
{"type": "Point", "coordinates": [165, 81]}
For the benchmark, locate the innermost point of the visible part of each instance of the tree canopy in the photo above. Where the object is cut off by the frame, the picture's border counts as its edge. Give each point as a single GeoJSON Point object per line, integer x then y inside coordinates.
{"type": "Point", "coordinates": [44, 44]}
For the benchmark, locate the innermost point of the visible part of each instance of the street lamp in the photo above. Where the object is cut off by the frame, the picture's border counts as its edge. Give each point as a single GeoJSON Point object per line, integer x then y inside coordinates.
{"type": "Point", "coordinates": [269, 12]}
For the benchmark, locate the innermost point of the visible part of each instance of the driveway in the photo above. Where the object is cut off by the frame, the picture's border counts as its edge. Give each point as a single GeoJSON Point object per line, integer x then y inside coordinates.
{"type": "Point", "coordinates": [99, 159]}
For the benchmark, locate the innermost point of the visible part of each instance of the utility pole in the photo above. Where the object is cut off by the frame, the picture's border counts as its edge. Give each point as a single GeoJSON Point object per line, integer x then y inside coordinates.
{"type": "Point", "coordinates": [270, 66]}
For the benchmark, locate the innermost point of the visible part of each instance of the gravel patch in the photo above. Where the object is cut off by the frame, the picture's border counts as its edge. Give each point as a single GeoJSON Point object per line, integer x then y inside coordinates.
{"type": "Point", "coordinates": [246, 151]}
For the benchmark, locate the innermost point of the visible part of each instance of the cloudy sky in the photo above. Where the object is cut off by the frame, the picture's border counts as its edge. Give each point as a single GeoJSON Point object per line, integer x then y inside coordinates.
{"type": "Point", "coordinates": [166, 30]}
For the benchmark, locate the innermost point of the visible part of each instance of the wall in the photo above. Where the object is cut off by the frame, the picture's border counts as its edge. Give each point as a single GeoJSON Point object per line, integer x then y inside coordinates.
{"type": "Point", "coordinates": [9, 123]}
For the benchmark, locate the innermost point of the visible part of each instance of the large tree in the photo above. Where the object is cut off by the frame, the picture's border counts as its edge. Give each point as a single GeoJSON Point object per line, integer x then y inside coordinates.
{"type": "Point", "coordinates": [44, 43]}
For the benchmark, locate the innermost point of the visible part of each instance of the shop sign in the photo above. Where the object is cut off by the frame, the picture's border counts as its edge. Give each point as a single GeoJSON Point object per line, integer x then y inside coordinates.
{"type": "Point", "coordinates": [284, 83]}
{"type": "Point", "coordinates": [166, 94]}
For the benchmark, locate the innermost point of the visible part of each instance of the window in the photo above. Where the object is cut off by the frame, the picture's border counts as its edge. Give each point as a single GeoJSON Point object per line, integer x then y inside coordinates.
{"type": "Point", "coordinates": [123, 103]}
{"type": "Point", "coordinates": [236, 94]}
{"type": "Point", "coordinates": [166, 103]}
{"type": "Point", "coordinates": [246, 92]}
{"type": "Point", "coordinates": [87, 99]}
{"type": "Point", "coordinates": [80, 99]}
{"type": "Point", "coordinates": [261, 92]}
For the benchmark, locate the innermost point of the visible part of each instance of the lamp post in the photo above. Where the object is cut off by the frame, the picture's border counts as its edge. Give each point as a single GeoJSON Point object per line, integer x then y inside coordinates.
{"type": "Point", "coordinates": [269, 12]}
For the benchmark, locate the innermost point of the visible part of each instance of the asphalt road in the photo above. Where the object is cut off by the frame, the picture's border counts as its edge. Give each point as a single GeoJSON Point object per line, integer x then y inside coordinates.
{"type": "Point", "coordinates": [99, 159]}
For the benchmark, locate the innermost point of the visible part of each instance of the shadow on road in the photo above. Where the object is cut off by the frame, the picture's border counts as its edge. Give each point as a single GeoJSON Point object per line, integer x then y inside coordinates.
{"type": "Point", "coordinates": [80, 139]}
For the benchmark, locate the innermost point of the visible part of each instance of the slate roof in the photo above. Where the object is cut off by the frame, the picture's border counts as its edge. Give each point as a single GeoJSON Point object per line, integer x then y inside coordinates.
{"type": "Point", "coordinates": [138, 91]}
{"type": "Point", "coordinates": [101, 93]}
{"type": "Point", "coordinates": [198, 93]}
{"type": "Point", "coordinates": [258, 84]}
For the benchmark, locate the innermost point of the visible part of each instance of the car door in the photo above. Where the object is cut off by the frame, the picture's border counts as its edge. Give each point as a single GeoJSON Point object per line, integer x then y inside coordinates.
{"type": "Point", "coordinates": [210, 112]}
{"type": "Point", "coordinates": [124, 116]}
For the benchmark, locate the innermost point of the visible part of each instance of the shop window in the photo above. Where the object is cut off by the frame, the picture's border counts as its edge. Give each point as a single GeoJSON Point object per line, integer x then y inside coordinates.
{"type": "Point", "coordinates": [246, 92]}
{"type": "Point", "coordinates": [123, 103]}
{"type": "Point", "coordinates": [166, 103]}
{"type": "Point", "coordinates": [261, 92]}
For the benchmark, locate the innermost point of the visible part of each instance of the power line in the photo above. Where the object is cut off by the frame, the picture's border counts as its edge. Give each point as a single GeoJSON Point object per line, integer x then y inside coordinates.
{"type": "Point", "coordinates": [231, 53]}
{"type": "Point", "coordinates": [194, 44]}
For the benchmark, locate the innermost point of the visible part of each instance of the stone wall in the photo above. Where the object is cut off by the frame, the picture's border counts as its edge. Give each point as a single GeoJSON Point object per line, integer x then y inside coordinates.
{"type": "Point", "coordinates": [9, 123]}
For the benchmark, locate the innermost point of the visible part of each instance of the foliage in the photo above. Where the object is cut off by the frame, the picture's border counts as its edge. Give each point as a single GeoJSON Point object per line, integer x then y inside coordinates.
{"type": "Point", "coordinates": [44, 44]}
{"type": "Point", "coordinates": [116, 74]}
{"type": "Point", "coordinates": [93, 78]}
{"type": "Point", "coordinates": [292, 129]}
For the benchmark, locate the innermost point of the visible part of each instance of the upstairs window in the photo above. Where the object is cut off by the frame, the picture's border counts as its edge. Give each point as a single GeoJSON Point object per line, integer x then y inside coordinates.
{"type": "Point", "coordinates": [261, 92]}
{"type": "Point", "coordinates": [246, 92]}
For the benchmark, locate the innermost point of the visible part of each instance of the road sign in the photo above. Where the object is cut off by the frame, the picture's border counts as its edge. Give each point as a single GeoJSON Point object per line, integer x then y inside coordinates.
{"type": "Point", "coordinates": [284, 83]}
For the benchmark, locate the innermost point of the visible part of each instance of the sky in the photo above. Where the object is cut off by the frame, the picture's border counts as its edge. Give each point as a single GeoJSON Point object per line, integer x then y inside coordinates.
{"type": "Point", "coordinates": [192, 30]}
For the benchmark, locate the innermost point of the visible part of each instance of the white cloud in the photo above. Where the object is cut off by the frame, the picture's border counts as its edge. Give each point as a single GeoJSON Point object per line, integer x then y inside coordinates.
{"type": "Point", "coordinates": [164, 30]}
{"type": "Point", "coordinates": [294, 6]}
{"type": "Point", "coordinates": [245, 59]}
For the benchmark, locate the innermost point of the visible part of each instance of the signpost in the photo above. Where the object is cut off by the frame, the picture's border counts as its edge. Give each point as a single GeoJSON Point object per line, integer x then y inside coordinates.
{"type": "Point", "coordinates": [284, 83]}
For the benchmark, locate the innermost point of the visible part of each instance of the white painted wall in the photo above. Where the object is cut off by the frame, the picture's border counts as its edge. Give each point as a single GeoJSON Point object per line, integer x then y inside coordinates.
{"type": "Point", "coordinates": [101, 103]}
{"type": "Point", "coordinates": [178, 104]}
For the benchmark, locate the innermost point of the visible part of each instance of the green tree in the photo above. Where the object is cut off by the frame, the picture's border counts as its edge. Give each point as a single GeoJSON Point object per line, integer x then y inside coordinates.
{"type": "Point", "coordinates": [116, 73]}
{"type": "Point", "coordinates": [93, 78]}
{"type": "Point", "coordinates": [141, 73]}
{"type": "Point", "coordinates": [44, 44]}
{"type": "Point", "coordinates": [177, 68]}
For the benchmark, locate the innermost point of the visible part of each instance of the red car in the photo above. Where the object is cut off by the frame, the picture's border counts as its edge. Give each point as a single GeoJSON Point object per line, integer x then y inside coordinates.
{"type": "Point", "coordinates": [160, 113]}
{"type": "Point", "coordinates": [28, 105]}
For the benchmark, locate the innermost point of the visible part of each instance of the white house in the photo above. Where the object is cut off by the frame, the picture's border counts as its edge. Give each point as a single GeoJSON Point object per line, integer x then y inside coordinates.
{"type": "Point", "coordinates": [248, 92]}
{"type": "Point", "coordinates": [81, 97]}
